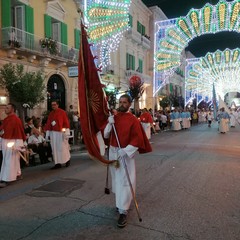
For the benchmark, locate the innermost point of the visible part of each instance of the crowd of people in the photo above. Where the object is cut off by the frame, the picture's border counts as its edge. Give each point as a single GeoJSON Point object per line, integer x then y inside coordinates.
{"type": "Point", "coordinates": [46, 138]}
{"type": "Point", "coordinates": [50, 139]}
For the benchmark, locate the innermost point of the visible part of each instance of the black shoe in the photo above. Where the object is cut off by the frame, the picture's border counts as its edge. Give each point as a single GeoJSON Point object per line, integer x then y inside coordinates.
{"type": "Point", "coordinates": [56, 166]}
{"type": "Point", "coordinates": [3, 184]}
{"type": "Point", "coordinates": [122, 221]}
{"type": "Point", "coordinates": [68, 163]}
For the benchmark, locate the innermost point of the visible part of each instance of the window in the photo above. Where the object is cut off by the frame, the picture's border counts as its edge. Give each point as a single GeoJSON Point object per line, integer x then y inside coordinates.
{"type": "Point", "coordinates": [130, 62]}
{"type": "Point", "coordinates": [19, 23]}
{"type": "Point", "coordinates": [56, 31]}
{"type": "Point", "coordinates": [130, 21]}
{"type": "Point", "coordinates": [140, 28]}
{"type": "Point", "coordinates": [77, 38]}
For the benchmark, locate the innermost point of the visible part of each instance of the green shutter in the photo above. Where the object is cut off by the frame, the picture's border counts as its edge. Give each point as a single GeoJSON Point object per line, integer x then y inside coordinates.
{"type": "Point", "coordinates": [130, 21]}
{"type": "Point", "coordinates": [127, 62]}
{"type": "Point", "coordinates": [140, 65]}
{"type": "Point", "coordinates": [133, 68]}
{"type": "Point", "coordinates": [29, 27]}
{"type": "Point", "coordinates": [143, 30]}
{"type": "Point", "coordinates": [64, 35]}
{"type": "Point", "coordinates": [77, 38]}
{"type": "Point", "coordinates": [29, 24]}
{"type": "Point", "coordinates": [48, 26]}
{"type": "Point", "coordinates": [64, 39]}
{"type": "Point", "coordinates": [139, 28]}
{"type": "Point", "coordinates": [6, 13]}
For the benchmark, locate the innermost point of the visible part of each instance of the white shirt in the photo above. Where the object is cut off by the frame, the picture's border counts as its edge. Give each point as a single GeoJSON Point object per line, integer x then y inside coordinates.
{"type": "Point", "coordinates": [33, 139]}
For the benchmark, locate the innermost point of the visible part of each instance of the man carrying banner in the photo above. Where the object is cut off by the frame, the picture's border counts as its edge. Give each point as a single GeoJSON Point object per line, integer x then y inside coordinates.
{"type": "Point", "coordinates": [132, 138]}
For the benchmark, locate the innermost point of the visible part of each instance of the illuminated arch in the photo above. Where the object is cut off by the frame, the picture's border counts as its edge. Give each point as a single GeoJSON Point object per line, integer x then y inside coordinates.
{"type": "Point", "coordinates": [172, 36]}
{"type": "Point", "coordinates": [106, 20]}
{"type": "Point", "coordinates": [221, 68]}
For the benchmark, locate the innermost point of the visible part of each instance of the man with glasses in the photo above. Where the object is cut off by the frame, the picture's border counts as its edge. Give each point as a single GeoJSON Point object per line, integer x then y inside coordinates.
{"type": "Point", "coordinates": [57, 128]}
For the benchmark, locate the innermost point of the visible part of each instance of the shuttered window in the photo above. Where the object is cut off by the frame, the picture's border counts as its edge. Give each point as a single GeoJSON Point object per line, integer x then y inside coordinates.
{"type": "Point", "coordinates": [130, 21]}
{"type": "Point", "coordinates": [6, 13]}
{"type": "Point", "coordinates": [77, 38]}
{"type": "Point", "coordinates": [29, 27]}
{"type": "Point", "coordinates": [48, 26]}
{"type": "Point", "coordinates": [29, 24]}
{"type": "Point", "coordinates": [140, 65]}
{"type": "Point", "coordinates": [130, 62]}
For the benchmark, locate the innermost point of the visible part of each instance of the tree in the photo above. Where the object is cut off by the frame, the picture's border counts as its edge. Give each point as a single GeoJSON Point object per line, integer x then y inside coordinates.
{"type": "Point", "coordinates": [136, 90]}
{"type": "Point", "coordinates": [172, 101]}
{"type": "Point", "coordinates": [24, 88]}
{"type": "Point", "coordinates": [165, 102]}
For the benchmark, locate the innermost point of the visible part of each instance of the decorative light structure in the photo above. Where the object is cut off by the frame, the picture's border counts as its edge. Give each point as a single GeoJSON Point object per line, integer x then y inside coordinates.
{"type": "Point", "coordinates": [172, 36]}
{"type": "Point", "coordinates": [106, 20]}
{"type": "Point", "coordinates": [221, 68]}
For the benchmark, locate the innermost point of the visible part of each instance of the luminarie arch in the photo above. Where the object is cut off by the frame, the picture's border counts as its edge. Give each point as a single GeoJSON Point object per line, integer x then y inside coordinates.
{"type": "Point", "coordinates": [173, 35]}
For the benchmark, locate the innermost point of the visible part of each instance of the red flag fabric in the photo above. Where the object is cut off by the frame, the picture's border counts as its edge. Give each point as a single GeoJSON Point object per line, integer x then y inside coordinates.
{"type": "Point", "coordinates": [92, 101]}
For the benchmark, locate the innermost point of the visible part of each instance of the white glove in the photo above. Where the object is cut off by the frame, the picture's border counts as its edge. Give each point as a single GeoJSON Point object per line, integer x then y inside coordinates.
{"type": "Point", "coordinates": [67, 131]}
{"type": "Point", "coordinates": [111, 119]}
{"type": "Point", "coordinates": [122, 153]}
{"type": "Point", "coordinates": [47, 135]}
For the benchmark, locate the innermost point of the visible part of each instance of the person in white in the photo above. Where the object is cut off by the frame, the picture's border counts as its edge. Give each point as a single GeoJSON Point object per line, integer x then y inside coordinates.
{"type": "Point", "coordinates": [210, 118]}
{"type": "Point", "coordinates": [57, 128]}
{"type": "Point", "coordinates": [233, 118]}
{"type": "Point", "coordinates": [131, 138]}
{"type": "Point", "coordinates": [223, 121]}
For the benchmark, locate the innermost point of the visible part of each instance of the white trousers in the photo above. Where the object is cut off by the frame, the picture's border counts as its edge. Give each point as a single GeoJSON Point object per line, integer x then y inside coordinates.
{"type": "Point", "coordinates": [120, 184]}
{"type": "Point", "coordinates": [11, 160]}
{"type": "Point", "coordinates": [60, 147]}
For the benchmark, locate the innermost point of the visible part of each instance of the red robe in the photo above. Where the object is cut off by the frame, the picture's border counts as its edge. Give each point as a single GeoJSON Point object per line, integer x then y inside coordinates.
{"type": "Point", "coordinates": [130, 132]}
{"type": "Point", "coordinates": [13, 128]}
{"type": "Point", "coordinates": [61, 119]}
{"type": "Point", "coordinates": [146, 118]}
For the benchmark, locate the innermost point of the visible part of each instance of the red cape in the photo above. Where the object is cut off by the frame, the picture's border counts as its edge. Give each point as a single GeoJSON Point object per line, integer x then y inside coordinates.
{"type": "Point", "coordinates": [130, 132]}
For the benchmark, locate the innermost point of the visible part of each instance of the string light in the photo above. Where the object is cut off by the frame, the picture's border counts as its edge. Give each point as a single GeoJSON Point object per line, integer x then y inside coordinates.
{"type": "Point", "coordinates": [221, 68]}
{"type": "Point", "coordinates": [173, 36]}
{"type": "Point", "coordinates": [106, 21]}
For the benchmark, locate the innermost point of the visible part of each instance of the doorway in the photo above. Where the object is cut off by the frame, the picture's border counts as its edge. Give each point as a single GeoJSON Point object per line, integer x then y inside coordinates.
{"type": "Point", "coordinates": [56, 91]}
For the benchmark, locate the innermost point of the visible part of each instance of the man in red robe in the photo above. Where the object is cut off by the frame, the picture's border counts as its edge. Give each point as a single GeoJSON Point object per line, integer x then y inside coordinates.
{"type": "Point", "coordinates": [57, 128]}
{"type": "Point", "coordinates": [147, 122]}
{"type": "Point", "coordinates": [12, 133]}
{"type": "Point", "coordinates": [132, 138]}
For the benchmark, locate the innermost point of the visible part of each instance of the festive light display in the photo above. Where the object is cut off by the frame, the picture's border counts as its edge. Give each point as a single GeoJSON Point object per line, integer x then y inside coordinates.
{"type": "Point", "coordinates": [173, 35]}
{"type": "Point", "coordinates": [221, 68]}
{"type": "Point", "coordinates": [106, 20]}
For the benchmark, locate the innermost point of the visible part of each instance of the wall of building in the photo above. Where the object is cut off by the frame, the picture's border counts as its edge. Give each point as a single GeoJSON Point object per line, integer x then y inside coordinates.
{"type": "Point", "coordinates": [54, 66]}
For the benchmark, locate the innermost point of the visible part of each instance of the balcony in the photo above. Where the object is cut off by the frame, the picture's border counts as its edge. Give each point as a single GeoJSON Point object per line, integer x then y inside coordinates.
{"type": "Point", "coordinates": [145, 78]}
{"type": "Point", "coordinates": [134, 36]}
{"type": "Point", "coordinates": [146, 43]}
{"type": "Point", "coordinates": [25, 44]}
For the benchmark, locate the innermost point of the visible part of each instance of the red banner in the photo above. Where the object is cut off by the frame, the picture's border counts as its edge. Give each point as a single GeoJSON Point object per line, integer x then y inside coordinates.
{"type": "Point", "coordinates": [92, 101]}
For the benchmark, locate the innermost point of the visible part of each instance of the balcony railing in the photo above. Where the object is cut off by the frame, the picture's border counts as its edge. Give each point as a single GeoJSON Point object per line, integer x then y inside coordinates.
{"type": "Point", "coordinates": [134, 35]}
{"type": "Point", "coordinates": [145, 78]}
{"type": "Point", "coordinates": [16, 38]}
{"type": "Point", "coordinates": [146, 42]}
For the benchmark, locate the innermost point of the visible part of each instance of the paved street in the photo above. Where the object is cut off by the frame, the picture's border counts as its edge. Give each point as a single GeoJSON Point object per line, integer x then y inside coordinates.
{"type": "Point", "coordinates": [188, 188]}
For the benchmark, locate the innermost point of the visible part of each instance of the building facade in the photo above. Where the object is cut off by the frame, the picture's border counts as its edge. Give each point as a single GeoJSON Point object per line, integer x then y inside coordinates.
{"type": "Point", "coordinates": [45, 36]}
